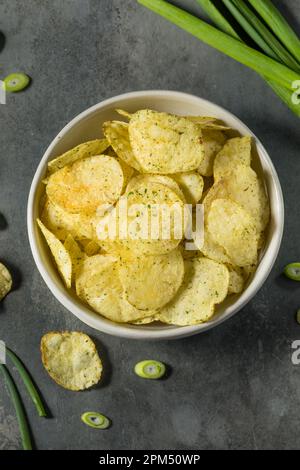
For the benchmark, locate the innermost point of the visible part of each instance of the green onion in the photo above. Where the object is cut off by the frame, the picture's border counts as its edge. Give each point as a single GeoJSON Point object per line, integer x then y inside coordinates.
{"type": "Point", "coordinates": [237, 50]}
{"type": "Point", "coordinates": [292, 271]}
{"type": "Point", "coordinates": [250, 30]}
{"type": "Point", "coordinates": [150, 369]}
{"type": "Point", "coordinates": [222, 23]}
{"type": "Point", "coordinates": [278, 25]}
{"type": "Point", "coordinates": [31, 389]}
{"type": "Point", "coordinates": [21, 417]}
{"type": "Point", "coordinates": [217, 17]}
{"type": "Point", "coordinates": [272, 46]}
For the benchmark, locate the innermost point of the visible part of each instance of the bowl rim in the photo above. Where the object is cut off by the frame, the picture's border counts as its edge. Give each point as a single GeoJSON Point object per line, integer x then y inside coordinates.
{"type": "Point", "coordinates": [174, 332]}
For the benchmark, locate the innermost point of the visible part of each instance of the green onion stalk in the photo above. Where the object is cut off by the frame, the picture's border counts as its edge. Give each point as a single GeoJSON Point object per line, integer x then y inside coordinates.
{"type": "Point", "coordinates": [280, 75]}
{"type": "Point", "coordinates": [21, 417]}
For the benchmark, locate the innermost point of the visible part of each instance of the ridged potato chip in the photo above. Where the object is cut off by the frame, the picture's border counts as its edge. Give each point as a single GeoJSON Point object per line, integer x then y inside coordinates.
{"type": "Point", "coordinates": [244, 187]}
{"type": "Point", "coordinates": [236, 280]}
{"type": "Point", "coordinates": [234, 229]}
{"type": "Point", "coordinates": [87, 149]}
{"type": "Point", "coordinates": [5, 281]}
{"type": "Point", "coordinates": [236, 151]}
{"type": "Point", "coordinates": [155, 223]}
{"type": "Point", "coordinates": [98, 284]}
{"type": "Point", "coordinates": [150, 282]}
{"type": "Point", "coordinates": [205, 285]}
{"type": "Point", "coordinates": [164, 143]}
{"type": "Point", "coordinates": [117, 135]}
{"type": "Point", "coordinates": [213, 142]}
{"type": "Point", "coordinates": [87, 184]}
{"type": "Point", "coordinates": [162, 179]}
{"type": "Point", "coordinates": [71, 359]}
{"type": "Point", "coordinates": [61, 223]}
{"type": "Point", "coordinates": [191, 183]}
{"type": "Point", "coordinates": [60, 254]}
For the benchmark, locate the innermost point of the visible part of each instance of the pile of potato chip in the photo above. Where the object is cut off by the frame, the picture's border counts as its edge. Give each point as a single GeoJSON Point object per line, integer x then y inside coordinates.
{"type": "Point", "coordinates": [155, 159]}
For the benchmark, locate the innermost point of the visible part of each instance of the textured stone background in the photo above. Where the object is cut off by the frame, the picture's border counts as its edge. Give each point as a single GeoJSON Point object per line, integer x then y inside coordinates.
{"type": "Point", "coordinates": [233, 387]}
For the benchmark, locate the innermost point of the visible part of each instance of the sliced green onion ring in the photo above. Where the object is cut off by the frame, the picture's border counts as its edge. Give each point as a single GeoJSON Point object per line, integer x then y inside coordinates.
{"type": "Point", "coordinates": [95, 420]}
{"type": "Point", "coordinates": [298, 316]}
{"type": "Point", "coordinates": [16, 82]}
{"type": "Point", "coordinates": [292, 271]}
{"type": "Point", "coordinates": [150, 369]}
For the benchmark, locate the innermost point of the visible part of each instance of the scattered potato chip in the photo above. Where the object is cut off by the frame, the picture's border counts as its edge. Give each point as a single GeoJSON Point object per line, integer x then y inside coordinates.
{"type": "Point", "coordinates": [162, 179]}
{"type": "Point", "coordinates": [205, 285]}
{"type": "Point", "coordinates": [71, 359]}
{"type": "Point", "coordinates": [236, 280]}
{"type": "Point", "coordinates": [117, 135]}
{"type": "Point", "coordinates": [244, 188]}
{"type": "Point", "coordinates": [150, 282]}
{"type": "Point", "coordinates": [236, 151]}
{"type": "Point", "coordinates": [87, 149]}
{"type": "Point", "coordinates": [165, 144]}
{"type": "Point", "coordinates": [61, 223]}
{"type": "Point", "coordinates": [77, 256]}
{"type": "Point", "coordinates": [60, 254]}
{"type": "Point", "coordinates": [87, 184]}
{"type": "Point", "coordinates": [191, 183]}
{"type": "Point", "coordinates": [98, 284]}
{"type": "Point", "coordinates": [5, 281]}
{"type": "Point", "coordinates": [213, 142]}
{"type": "Point", "coordinates": [234, 229]}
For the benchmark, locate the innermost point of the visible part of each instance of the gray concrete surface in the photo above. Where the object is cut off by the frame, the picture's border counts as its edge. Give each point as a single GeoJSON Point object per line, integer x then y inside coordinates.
{"type": "Point", "coordinates": [231, 388]}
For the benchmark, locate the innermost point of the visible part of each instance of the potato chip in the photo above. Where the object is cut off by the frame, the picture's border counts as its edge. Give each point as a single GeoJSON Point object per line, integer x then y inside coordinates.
{"type": "Point", "coordinates": [77, 256]}
{"type": "Point", "coordinates": [191, 184]}
{"type": "Point", "coordinates": [61, 223]}
{"type": "Point", "coordinates": [124, 113]}
{"type": "Point", "coordinates": [98, 284]}
{"type": "Point", "coordinates": [116, 133]}
{"type": "Point", "coordinates": [5, 281]}
{"type": "Point", "coordinates": [234, 229]}
{"type": "Point", "coordinates": [87, 184]}
{"type": "Point", "coordinates": [146, 320]}
{"type": "Point", "coordinates": [208, 123]}
{"type": "Point", "coordinates": [213, 142]}
{"type": "Point", "coordinates": [244, 188]}
{"type": "Point", "coordinates": [88, 149]}
{"type": "Point", "coordinates": [205, 285]}
{"type": "Point", "coordinates": [236, 151]}
{"type": "Point", "coordinates": [60, 254]}
{"type": "Point", "coordinates": [165, 144]}
{"type": "Point", "coordinates": [236, 280]}
{"type": "Point", "coordinates": [210, 248]}
{"type": "Point", "coordinates": [162, 179]}
{"type": "Point", "coordinates": [90, 247]}
{"type": "Point", "coordinates": [150, 282]}
{"type": "Point", "coordinates": [154, 222]}
{"type": "Point", "coordinates": [71, 359]}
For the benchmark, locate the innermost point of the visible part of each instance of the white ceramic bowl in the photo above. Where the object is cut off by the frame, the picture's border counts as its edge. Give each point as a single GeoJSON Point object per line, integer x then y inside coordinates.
{"type": "Point", "coordinates": [87, 126]}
